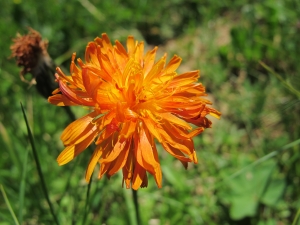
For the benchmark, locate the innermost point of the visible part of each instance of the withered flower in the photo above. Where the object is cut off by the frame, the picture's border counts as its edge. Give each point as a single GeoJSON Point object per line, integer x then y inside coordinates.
{"type": "Point", "coordinates": [31, 54]}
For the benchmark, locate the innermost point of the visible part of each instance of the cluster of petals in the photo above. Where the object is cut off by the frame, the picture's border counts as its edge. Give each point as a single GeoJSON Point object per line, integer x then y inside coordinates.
{"type": "Point", "coordinates": [134, 102]}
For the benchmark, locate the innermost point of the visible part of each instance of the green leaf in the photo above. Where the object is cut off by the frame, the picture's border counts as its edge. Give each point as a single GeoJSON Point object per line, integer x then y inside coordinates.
{"type": "Point", "coordinates": [242, 206]}
{"type": "Point", "coordinates": [246, 190]}
{"type": "Point", "coordinates": [254, 180]}
{"type": "Point", "coordinates": [274, 191]}
{"type": "Point", "coordinates": [268, 222]}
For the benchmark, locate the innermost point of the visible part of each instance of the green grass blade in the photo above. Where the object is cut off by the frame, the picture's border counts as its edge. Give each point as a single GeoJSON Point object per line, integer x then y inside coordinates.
{"type": "Point", "coordinates": [8, 205]}
{"type": "Point", "coordinates": [286, 84]}
{"type": "Point", "coordinates": [38, 165]}
{"type": "Point", "coordinates": [296, 218]}
{"type": "Point", "coordinates": [262, 159]}
{"type": "Point", "coordinates": [22, 187]}
{"type": "Point", "coordinates": [92, 9]}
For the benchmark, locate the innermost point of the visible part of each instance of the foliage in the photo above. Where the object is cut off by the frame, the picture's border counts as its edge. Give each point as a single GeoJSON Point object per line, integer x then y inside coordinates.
{"type": "Point", "coordinates": [233, 183]}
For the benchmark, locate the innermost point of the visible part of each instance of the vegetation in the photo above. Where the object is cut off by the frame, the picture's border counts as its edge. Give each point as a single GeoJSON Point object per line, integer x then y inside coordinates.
{"type": "Point", "coordinates": [248, 171]}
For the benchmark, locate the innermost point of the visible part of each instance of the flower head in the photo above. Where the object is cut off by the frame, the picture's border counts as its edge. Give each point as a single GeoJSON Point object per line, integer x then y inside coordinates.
{"type": "Point", "coordinates": [133, 101]}
{"type": "Point", "coordinates": [28, 49]}
{"type": "Point", "coordinates": [30, 52]}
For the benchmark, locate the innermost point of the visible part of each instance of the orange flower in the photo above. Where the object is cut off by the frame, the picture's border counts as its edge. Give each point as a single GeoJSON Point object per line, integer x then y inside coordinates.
{"type": "Point", "coordinates": [133, 100]}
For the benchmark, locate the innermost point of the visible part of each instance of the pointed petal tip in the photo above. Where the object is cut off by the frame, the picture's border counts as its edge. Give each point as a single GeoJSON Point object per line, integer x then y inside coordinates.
{"type": "Point", "coordinates": [60, 161]}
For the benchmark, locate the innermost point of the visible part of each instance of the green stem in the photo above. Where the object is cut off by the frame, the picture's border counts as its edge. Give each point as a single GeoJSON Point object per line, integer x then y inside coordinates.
{"type": "Point", "coordinates": [136, 206]}
{"type": "Point", "coordinates": [39, 168]}
{"type": "Point", "coordinates": [87, 202]}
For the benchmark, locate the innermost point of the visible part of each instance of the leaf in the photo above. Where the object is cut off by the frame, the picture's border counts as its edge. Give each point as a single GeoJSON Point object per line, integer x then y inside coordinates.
{"type": "Point", "coordinates": [246, 190]}
{"type": "Point", "coordinates": [242, 206]}
{"type": "Point", "coordinates": [274, 191]}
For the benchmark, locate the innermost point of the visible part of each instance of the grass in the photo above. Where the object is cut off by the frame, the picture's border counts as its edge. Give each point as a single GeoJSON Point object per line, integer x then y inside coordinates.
{"type": "Point", "coordinates": [248, 170]}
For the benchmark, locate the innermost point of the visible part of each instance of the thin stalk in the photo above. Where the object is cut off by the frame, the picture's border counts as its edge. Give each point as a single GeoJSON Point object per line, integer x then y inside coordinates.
{"type": "Point", "coordinates": [39, 168]}
{"type": "Point", "coordinates": [87, 202]}
{"type": "Point", "coordinates": [136, 206]}
{"type": "Point", "coordinates": [9, 206]}
{"type": "Point", "coordinates": [130, 207]}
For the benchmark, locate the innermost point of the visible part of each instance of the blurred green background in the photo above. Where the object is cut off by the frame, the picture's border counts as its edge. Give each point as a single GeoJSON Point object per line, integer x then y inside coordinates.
{"type": "Point", "coordinates": [248, 170]}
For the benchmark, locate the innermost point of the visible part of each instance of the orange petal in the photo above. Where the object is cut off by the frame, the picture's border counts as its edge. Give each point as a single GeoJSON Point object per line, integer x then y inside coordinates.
{"type": "Point", "coordinates": [127, 130]}
{"type": "Point", "coordinates": [153, 128]}
{"type": "Point", "coordinates": [184, 145]}
{"type": "Point", "coordinates": [130, 45]}
{"type": "Point", "coordinates": [115, 152]}
{"type": "Point", "coordinates": [91, 82]}
{"type": "Point", "coordinates": [79, 129]}
{"type": "Point", "coordinates": [131, 69]}
{"type": "Point", "coordinates": [145, 155]}
{"type": "Point", "coordinates": [128, 170]}
{"type": "Point", "coordinates": [121, 159]}
{"type": "Point", "coordinates": [200, 122]}
{"type": "Point", "coordinates": [93, 162]}
{"type": "Point", "coordinates": [145, 181]}
{"type": "Point", "coordinates": [139, 53]}
{"type": "Point", "coordinates": [121, 48]}
{"type": "Point", "coordinates": [103, 169]}
{"type": "Point", "coordinates": [99, 73]}
{"type": "Point", "coordinates": [105, 120]}
{"type": "Point", "coordinates": [173, 64]}
{"type": "Point", "coordinates": [158, 173]}
{"type": "Point", "coordinates": [106, 65]}
{"type": "Point", "coordinates": [138, 177]}
{"type": "Point", "coordinates": [176, 153]}
{"type": "Point", "coordinates": [149, 60]}
{"type": "Point", "coordinates": [69, 93]}
{"type": "Point", "coordinates": [180, 133]}
{"type": "Point", "coordinates": [143, 152]}
{"type": "Point", "coordinates": [121, 56]}
{"type": "Point", "coordinates": [175, 120]}
{"type": "Point", "coordinates": [70, 152]}
{"type": "Point", "coordinates": [155, 70]}
{"type": "Point", "coordinates": [106, 133]}
{"type": "Point", "coordinates": [60, 100]}
{"type": "Point", "coordinates": [67, 155]}
{"type": "Point", "coordinates": [106, 43]}
{"type": "Point", "coordinates": [184, 79]}
{"type": "Point", "coordinates": [91, 54]}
